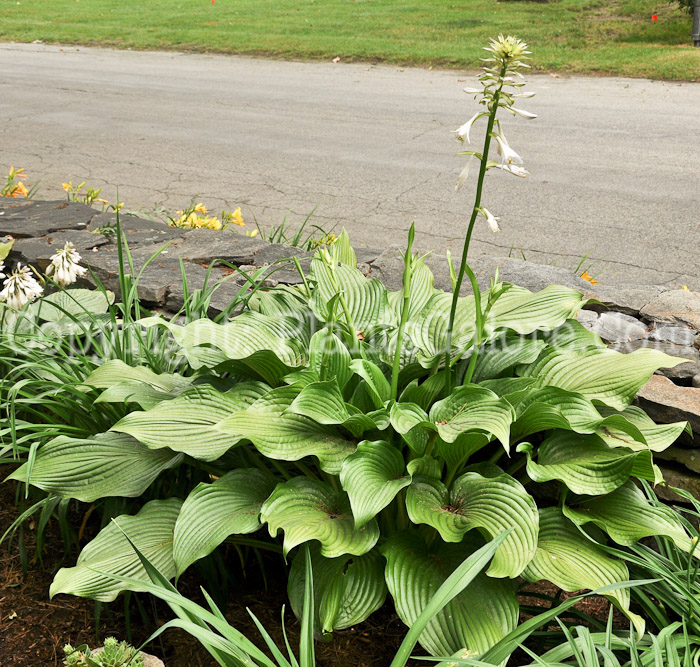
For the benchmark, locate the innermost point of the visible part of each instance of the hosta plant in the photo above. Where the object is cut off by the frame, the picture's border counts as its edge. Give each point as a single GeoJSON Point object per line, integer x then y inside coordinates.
{"type": "Point", "coordinates": [394, 433]}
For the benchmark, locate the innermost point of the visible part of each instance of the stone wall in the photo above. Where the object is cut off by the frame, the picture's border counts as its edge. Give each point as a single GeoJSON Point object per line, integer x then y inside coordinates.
{"type": "Point", "coordinates": [626, 317]}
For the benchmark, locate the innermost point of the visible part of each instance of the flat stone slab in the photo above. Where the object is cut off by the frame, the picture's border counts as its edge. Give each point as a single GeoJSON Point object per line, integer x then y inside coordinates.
{"type": "Point", "coordinates": [31, 219]}
{"type": "Point", "coordinates": [676, 307]}
{"type": "Point", "coordinates": [39, 251]}
{"type": "Point", "coordinates": [666, 402]}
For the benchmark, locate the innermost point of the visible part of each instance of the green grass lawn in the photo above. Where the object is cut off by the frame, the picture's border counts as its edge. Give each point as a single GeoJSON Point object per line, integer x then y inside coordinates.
{"type": "Point", "coordinates": [611, 37]}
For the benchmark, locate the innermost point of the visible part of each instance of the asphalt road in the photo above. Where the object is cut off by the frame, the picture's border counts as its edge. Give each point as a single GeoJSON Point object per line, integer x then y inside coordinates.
{"type": "Point", "coordinates": [613, 162]}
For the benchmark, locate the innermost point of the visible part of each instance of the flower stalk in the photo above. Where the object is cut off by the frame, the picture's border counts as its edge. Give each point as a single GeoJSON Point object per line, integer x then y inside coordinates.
{"type": "Point", "coordinates": [498, 78]}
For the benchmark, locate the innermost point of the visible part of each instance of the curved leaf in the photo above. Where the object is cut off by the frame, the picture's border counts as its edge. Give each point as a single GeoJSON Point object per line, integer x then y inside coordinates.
{"type": "Point", "coordinates": [409, 419]}
{"type": "Point", "coordinates": [306, 509]}
{"type": "Point", "coordinates": [471, 408]}
{"type": "Point", "coordinates": [329, 357]}
{"type": "Point", "coordinates": [115, 372]}
{"type": "Point", "coordinates": [521, 311]}
{"type": "Point", "coordinates": [599, 374]}
{"type": "Point", "coordinates": [484, 612]}
{"type": "Point", "coordinates": [627, 516]}
{"type": "Point", "coordinates": [572, 562]}
{"type": "Point", "coordinates": [493, 503]}
{"type": "Point", "coordinates": [72, 303]}
{"type": "Point", "coordinates": [347, 589]}
{"type": "Point", "coordinates": [372, 477]}
{"type": "Point", "coordinates": [376, 382]}
{"type": "Point", "coordinates": [108, 464]}
{"type": "Point", "coordinates": [586, 464]}
{"type": "Point", "coordinates": [190, 422]}
{"type": "Point", "coordinates": [212, 512]}
{"type": "Point", "coordinates": [151, 530]}
{"type": "Point", "coordinates": [280, 434]}
{"type": "Point", "coordinates": [658, 437]}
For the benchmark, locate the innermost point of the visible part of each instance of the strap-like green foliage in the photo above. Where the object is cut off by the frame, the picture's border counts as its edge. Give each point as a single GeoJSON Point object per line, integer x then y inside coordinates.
{"type": "Point", "coordinates": [300, 414]}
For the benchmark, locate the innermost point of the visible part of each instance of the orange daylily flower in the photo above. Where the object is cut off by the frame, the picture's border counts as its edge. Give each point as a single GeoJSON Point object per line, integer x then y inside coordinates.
{"type": "Point", "coordinates": [589, 278]}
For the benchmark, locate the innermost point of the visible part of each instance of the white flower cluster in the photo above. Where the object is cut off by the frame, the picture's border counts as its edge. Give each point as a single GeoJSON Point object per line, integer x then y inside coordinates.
{"type": "Point", "coordinates": [65, 267]}
{"type": "Point", "coordinates": [501, 82]}
{"type": "Point", "coordinates": [22, 287]}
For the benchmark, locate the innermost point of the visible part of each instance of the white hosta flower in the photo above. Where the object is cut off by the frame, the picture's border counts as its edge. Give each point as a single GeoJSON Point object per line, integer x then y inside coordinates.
{"type": "Point", "coordinates": [465, 173]}
{"type": "Point", "coordinates": [508, 155]}
{"type": "Point", "coordinates": [523, 113]}
{"type": "Point", "coordinates": [463, 132]}
{"type": "Point", "coordinates": [2, 268]}
{"type": "Point", "coordinates": [491, 220]}
{"type": "Point", "coordinates": [20, 288]}
{"type": "Point", "coordinates": [64, 266]}
{"type": "Point", "coordinates": [514, 169]}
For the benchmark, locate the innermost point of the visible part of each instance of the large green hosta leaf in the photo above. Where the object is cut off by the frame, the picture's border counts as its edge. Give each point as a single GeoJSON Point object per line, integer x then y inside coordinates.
{"type": "Point", "coordinates": [280, 434]}
{"type": "Point", "coordinates": [306, 509]}
{"type": "Point", "coordinates": [190, 422]}
{"type": "Point", "coordinates": [267, 346]}
{"type": "Point", "coordinates": [135, 384]}
{"type": "Point", "coordinates": [503, 353]}
{"type": "Point", "coordinates": [323, 403]}
{"type": "Point", "coordinates": [493, 502]}
{"type": "Point", "coordinates": [151, 530]}
{"type": "Point", "coordinates": [552, 407]}
{"type": "Point", "coordinates": [372, 477]}
{"type": "Point", "coordinates": [586, 464]}
{"type": "Point", "coordinates": [347, 589]}
{"type": "Point", "coordinates": [108, 464]}
{"type": "Point", "coordinates": [212, 512]}
{"type": "Point", "coordinates": [476, 619]}
{"type": "Point", "coordinates": [65, 305]}
{"type": "Point", "coordinates": [572, 562]}
{"type": "Point", "coordinates": [428, 330]}
{"type": "Point", "coordinates": [521, 311]}
{"type": "Point", "coordinates": [409, 420]}
{"type": "Point", "coordinates": [115, 372]}
{"type": "Point", "coordinates": [601, 374]}
{"type": "Point", "coordinates": [658, 437]}
{"type": "Point", "coordinates": [471, 408]}
{"type": "Point", "coordinates": [366, 298]}
{"type": "Point", "coordinates": [375, 382]}
{"type": "Point", "coordinates": [329, 357]}
{"type": "Point", "coordinates": [627, 516]}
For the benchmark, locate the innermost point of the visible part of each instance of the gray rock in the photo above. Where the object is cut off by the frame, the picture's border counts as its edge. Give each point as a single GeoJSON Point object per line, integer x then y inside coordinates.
{"type": "Point", "coordinates": [128, 223]}
{"type": "Point", "coordinates": [680, 479]}
{"type": "Point", "coordinates": [619, 328]}
{"type": "Point", "coordinates": [676, 307]}
{"type": "Point", "coordinates": [31, 219]}
{"type": "Point", "coordinates": [536, 277]}
{"type": "Point", "coordinates": [672, 334]}
{"type": "Point", "coordinates": [666, 402]}
{"type": "Point", "coordinates": [696, 380]}
{"type": "Point", "coordinates": [628, 299]}
{"type": "Point", "coordinates": [274, 252]}
{"type": "Point", "coordinates": [38, 251]}
{"type": "Point", "coordinates": [689, 458]}
{"type": "Point", "coordinates": [587, 318]}
{"type": "Point", "coordinates": [680, 372]}
{"type": "Point", "coordinates": [366, 255]}
{"type": "Point", "coordinates": [206, 245]}
{"type": "Point", "coordinates": [156, 280]}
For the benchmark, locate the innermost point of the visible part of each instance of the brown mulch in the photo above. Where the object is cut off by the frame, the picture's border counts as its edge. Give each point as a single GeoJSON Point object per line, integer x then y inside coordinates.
{"type": "Point", "coordinates": [34, 629]}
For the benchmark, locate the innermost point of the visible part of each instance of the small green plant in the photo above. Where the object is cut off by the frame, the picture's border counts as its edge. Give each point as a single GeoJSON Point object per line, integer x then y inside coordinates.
{"type": "Point", "coordinates": [90, 196]}
{"type": "Point", "coordinates": [114, 654]}
{"type": "Point", "coordinates": [305, 236]}
{"type": "Point", "coordinates": [14, 186]}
